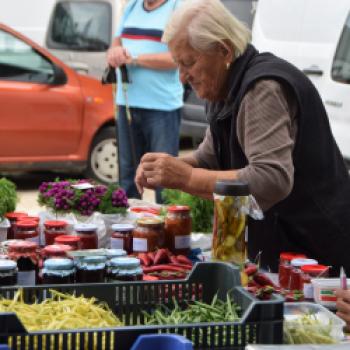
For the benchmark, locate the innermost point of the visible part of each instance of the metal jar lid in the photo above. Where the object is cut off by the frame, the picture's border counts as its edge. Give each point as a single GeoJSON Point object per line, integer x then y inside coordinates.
{"type": "Point", "coordinates": [231, 188]}
{"type": "Point", "coordinates": [122, 227]}
{"type": "Point", "coordinates": [7, 265]}
{"type": "Point", "coordinates": [85, 227]}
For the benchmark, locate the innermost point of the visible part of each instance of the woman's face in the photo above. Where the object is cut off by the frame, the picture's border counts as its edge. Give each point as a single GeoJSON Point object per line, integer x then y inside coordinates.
{"type": "Point", "coordinates": [205, 72]}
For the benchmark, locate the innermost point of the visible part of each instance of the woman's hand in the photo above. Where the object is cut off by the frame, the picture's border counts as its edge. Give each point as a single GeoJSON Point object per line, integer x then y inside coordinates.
{"type": "Point", "coordinates": [343, 306]}
{"type": "Point", "coordinates": [117, 56]}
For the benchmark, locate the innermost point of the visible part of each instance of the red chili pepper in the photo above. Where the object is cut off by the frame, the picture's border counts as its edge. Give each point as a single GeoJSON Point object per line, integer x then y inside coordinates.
{"type": "Point", "coordinates": [173, 259]}
{"type": "Point", "coordinates": [151, 257]}
{"type": "Point", "coordinates": [263, 280]}
{"type": "Point", "coordinates": [162, 257]}
{"type": "Point", "coordinates": [185, 267]}
{"type": "Point", "coordinates": [252, 283]}
{"type": "Point", "coordinates": [144, 259]}
{"type": "Point", "coordinates": [184, 259]}
{"type": "Point", "coordinates": [158, 268]}
{"type": "Point", "coordinates": [150, 278]}
{"type": "Point", "coordinates": [251, 269]}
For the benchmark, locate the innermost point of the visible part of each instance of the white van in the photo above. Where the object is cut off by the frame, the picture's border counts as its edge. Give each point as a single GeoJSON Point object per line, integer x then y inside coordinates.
{"type": "Point", "coordinates": [314, 35]}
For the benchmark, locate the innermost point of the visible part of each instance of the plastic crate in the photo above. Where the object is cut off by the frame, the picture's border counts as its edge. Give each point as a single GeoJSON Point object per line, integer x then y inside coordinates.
{"type": "Point", "coordinates": [162, 342]}
{"type": "Point", "coordinates": [261, 321]}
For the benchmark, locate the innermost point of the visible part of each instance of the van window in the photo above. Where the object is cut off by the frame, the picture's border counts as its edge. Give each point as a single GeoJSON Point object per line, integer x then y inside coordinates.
{"type": "Point", "coordinates": [80, 26]}
{"type": "Point", "coordinates": [341, 63]}
{"type": "Point", "coordinates": [20, 62]}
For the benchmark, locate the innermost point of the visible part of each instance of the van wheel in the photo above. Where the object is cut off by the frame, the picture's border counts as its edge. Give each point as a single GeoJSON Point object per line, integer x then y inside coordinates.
{"type": "Point", "coordinates": [103, 157]}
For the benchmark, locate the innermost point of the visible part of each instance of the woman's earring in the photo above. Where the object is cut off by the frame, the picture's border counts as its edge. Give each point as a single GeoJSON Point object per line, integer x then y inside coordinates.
{"type": "Point", "coordinates": [228, 65]}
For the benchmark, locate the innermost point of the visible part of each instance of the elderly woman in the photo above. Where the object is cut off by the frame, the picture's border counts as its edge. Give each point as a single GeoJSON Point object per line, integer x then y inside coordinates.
{"type": "Point", "coordinates": [268, 127]}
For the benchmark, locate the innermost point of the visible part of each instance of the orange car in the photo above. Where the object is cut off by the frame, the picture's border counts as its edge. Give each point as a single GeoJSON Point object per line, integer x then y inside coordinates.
{"type": "Point", "coordinates": [52, 118]}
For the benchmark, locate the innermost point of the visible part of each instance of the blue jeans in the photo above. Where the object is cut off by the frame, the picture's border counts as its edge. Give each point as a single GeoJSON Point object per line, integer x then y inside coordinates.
{"type": "Point", "coordinates": [151, 131]}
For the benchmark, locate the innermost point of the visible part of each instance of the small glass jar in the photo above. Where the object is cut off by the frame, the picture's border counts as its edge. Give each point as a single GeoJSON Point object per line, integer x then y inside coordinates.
{"type": "Point", "coordinates": [148, 235]}
{"type": "Point", "coordinates": [309, 272]}
{"type": "Point", "coordinates": [29, 218]}
{"type": "Point", "coordinates": [178, 228]}
{"type": "Point", "coordinates": [13, 217]}
{"type": "Point", "coordinates": [124, 269]}
{"type": "Point", "coordinates": [296, 275]}
{"type": "Point", "coordinates": [26, 256]}
{"type": "Point", "coordinates": [285, 268]}
{"type": "Point", "coordinates": [88, 235]}
{"type": "Point", "coordinates": [121, 237]}
{"type": "Point", "coordinates": [53, 229]}
{"type": "Point", "coordinates": [8, 272]}
{"type": "Point", "coordinates": [55, 251]}
{"type": "Point", "coordinates": [91, 269]}
{"type": "Point", "coordinates": [73, 241]}
{"type": "Point", "coordinates": [27, 230]}
{"type": "Point", "coordinates": [58, 271]}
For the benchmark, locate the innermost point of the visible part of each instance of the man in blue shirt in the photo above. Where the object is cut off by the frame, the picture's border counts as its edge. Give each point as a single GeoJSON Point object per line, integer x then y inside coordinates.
{"type": "Point", "coordinates": [154, 93]}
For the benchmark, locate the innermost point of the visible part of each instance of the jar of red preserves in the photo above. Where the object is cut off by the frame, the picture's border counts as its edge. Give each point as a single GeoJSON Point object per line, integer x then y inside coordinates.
{"type": "Point", "coordinates": [91, 269]}
{"type": "Point", "coordinates": [296, 275]}
{"type": "Point", "coordinates": [88, 235]}
{"type": "Point", "coordinates": [178, 228]}
{"type": "Point", "coordinates": [73, 241]}
{"type": "Point", "coordinates": [29, 218]}
{"type": "Point", "coordinates": [121, 237]}
{"type": "Point", "coordinates": [27, 230]}
{"type": "Point", "coordinates": [53, 229]}
{"type": "Point", "coordinates": [309, 272]}
{"type": "Point", "coordinates": [13, 217]}
{"type": "Point", "coordinates": [55, 251]}
{"type": "Point", "coordinates": [148, 235]}
{"type": "Point", "coordinates": [285, 267]}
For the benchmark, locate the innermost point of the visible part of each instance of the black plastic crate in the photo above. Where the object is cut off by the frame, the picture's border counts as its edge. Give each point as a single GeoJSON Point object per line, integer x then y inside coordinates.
{"type": "Point", "coordinates": [261, 321]}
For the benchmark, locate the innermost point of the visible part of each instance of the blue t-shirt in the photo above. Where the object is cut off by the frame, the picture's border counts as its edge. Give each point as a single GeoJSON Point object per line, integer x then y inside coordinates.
{"type": "Point", "coordinates": [141, 32]}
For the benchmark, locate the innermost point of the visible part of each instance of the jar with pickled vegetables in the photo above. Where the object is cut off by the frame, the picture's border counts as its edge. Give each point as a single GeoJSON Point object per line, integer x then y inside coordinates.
{"type": "Point", "coordinates": [231, 200]}
{"type": "Point", "coordinates": [178, 228]}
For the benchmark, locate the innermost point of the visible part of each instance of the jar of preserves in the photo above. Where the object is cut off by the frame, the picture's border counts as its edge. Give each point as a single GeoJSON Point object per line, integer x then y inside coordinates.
{"type": "Point", "coordinates": [296, 275]}
{"type": "Point", "coordinates": [29, 218]}
{"type": "Point", "coordinates": [91, 269]}
{"type": "Point", "coordinates": [121, 237]}
{"type": "Point", "coordinates": [178, 228]}
{"type": "Point", "coordinates": [148, 235]}
{"type": "Point", "coordinates": [8, 272]}
{"type": "Point", "coordinates": [285, 267]}
{"type": "Point", "coordinates": [73, 241]}
{"type": "Point", "coordinates": [124, 269]}
{"type": "Point", "coordinates": [27, 230]}
{"type": "Point", "coordinates": [13, 217]}
{"type": "Point", "coordinates": [53, 229]}
{"type": "Point", "coordinates": [55, 251]}
{"type": "Point", "coordinates": [58, 271]}
{"type": "Point", "coordinates": [231, 205]}
{"type": "Point", "coordinates": [88, 235]}
{"type": "Point", "coordinates": [309, 272]}
{"type": "Point", "coordinates": [26, 256]}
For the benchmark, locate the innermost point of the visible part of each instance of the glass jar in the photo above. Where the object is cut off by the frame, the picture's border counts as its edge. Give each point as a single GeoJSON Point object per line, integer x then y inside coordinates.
{"type": "Point", "coordinates": [285, 267]}
{"type": "Point", "coordinates": [88, 235]}
{"type": "Point", "coordinates": [26, 256]}
{"type": "Point", "coordinates": [55, 251]}
{"type": "Point", "coordinates": [53, 229]}
{"type": "Point", "coordinates": [121, 237]}
{"type": "Point", "coordinates": [27, 230]}
{"type": "Point", "coordinates": [73, 241]}
{"type": "Point", "coordinates": [124, 269]}
{"type": "Point", "coordinates": [29, 218]}
{"type": "Point", "coordinates": [178, 228]}
{"type": "Point", "coordinates": [58, 271]}
{"type": "Point", "coordinates": [296, 278]}
{"type": "Point", "coordinates": [148, 235]}
{"type": "Point", "coordinates": [13, 217]}
{"type": "Point", "coordinates": [8, 272]}
{"type": "Point", "coordinates": [231, 200]}
{"type": "Point", "coordinates": [309, 272]}
{"type": "Point", "coordinates": [91, 269]}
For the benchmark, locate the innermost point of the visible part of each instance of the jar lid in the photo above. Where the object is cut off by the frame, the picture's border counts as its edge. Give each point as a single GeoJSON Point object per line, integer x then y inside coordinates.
{"type": "Point", "coordinates": [27, 224]}
{"type": "Point", "coordinates": [178, 208]}
{"type": "Point", "coordinates": [14, 215]}
{"type": "Point", "coordinates": [56, 249]}
{"type": "Point", "coordinates": [125, 262]}
{"type": "Point", "coordinates": [290, 256]}
{"type": "Point", "coordinates": [145, 209]}
{"type": "Point", "coordinates": [85, 227]}
{"type": "Point", "coordinates": [231, 188]}
{"type": "Point", "coordinates": [319, 269]}
{"type": "Point", "coordinates": [55, 223]}
{"type": "Point", "coordinates": [29, 218]}
{"type": "Point", "coordinates": [58, 264]}
{"type": "Point", "coordinates": [301, 261]}
{"type": "Point", "coordinates": [113, 253]}
{"type": "Point", "coordinates": [67, 239]}
{"type": "Point", "coordinates": [22, 246]}
{"type": "Point", "coordinates": [93, 259]}
{"type": "Point", "coordinates": [149, 221]}
{"type": "Point", "coordinates": [7, 265]}
{"type": "Point", "coordinates": [122, 227]}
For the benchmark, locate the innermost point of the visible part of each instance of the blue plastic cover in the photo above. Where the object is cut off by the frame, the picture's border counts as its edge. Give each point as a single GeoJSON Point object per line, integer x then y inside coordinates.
{"type": "Point", "coordinates": [162, 342]}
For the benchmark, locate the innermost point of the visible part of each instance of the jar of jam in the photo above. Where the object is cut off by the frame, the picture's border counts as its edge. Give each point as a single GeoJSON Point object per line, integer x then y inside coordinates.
{"type": "Point", "coordinates": [88, 235]}
{"type": "Point", "coordinates": [29, 218]}
{"type": "Point", "coordinates": [27, 230]}
{"type": "Point", "coordinates": [309, 272]}
{"type": "Point", "coordinates": [55, 251]}
{"type": "Point", "coordinates": [13, 217]}
{"type": "Point", "coordinates": [148, 235]}
{"type": "Point", "coordinates": [53, 229]}
{"type": "Point", "coordinates": [296, 276]}
{"type": "Point", "coordinates": [124, 269]}
{"type": "Point", "coordinates": [285, 267]}
{"type": "Point", "coordinates": [8, 272]}
{"type": "Point", "coordinates": [121, 237]}
{"type": "Point", "coordinates": [91, 269]}
{"type": "Point", "coordinates": [73, 241]}
{"type": "Point", "coordinates": [25, 254]}
{"type": "Point", "coordinates": [178, 228]}
{"type": "Point", "coordinates": [58, 271]}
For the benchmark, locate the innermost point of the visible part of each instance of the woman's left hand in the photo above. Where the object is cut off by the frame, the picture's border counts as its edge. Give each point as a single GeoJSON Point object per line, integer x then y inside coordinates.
{"type": "Point", "coordinates": [163, 170]}
{"type": "Point", "coordinates": [343, 306]}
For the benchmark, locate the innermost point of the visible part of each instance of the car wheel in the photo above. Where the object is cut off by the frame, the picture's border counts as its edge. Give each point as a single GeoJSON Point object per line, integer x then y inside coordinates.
{"type": "Point", "coordinates": [103, 158]}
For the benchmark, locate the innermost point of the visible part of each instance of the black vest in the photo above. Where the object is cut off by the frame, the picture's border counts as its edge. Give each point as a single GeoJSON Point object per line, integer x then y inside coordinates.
{"type": "Point", "coordinates": [315, 218]}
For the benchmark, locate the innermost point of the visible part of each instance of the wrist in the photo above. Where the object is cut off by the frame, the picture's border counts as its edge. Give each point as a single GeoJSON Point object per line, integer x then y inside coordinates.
{"type": "Point", "coordinates": [134, 61]}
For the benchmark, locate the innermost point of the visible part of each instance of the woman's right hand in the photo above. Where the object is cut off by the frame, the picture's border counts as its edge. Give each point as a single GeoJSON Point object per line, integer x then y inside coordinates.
{"type": "Point", "coordinates": [117, 56]}
{"type": "Point", "coordinates": [343, 306]}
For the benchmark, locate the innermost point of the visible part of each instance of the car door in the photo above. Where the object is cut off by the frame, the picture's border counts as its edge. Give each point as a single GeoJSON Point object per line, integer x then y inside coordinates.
{"type": "Point", "coordinates": [39, 121]}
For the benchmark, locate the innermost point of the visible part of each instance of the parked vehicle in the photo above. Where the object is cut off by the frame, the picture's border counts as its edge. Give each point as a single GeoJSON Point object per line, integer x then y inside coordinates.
{"type": "Point", "coordinates": [52, 118]}
{"type": "Point", "coordinates": [314, 35]}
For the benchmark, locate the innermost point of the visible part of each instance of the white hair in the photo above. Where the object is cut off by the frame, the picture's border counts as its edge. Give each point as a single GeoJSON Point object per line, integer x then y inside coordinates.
{"type": "Point", "coordinates": [207, 23]}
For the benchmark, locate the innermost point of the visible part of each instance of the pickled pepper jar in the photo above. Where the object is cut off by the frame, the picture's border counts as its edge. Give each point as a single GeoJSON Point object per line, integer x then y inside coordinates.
{"type": "Point", "coordinates": [231, 202]}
